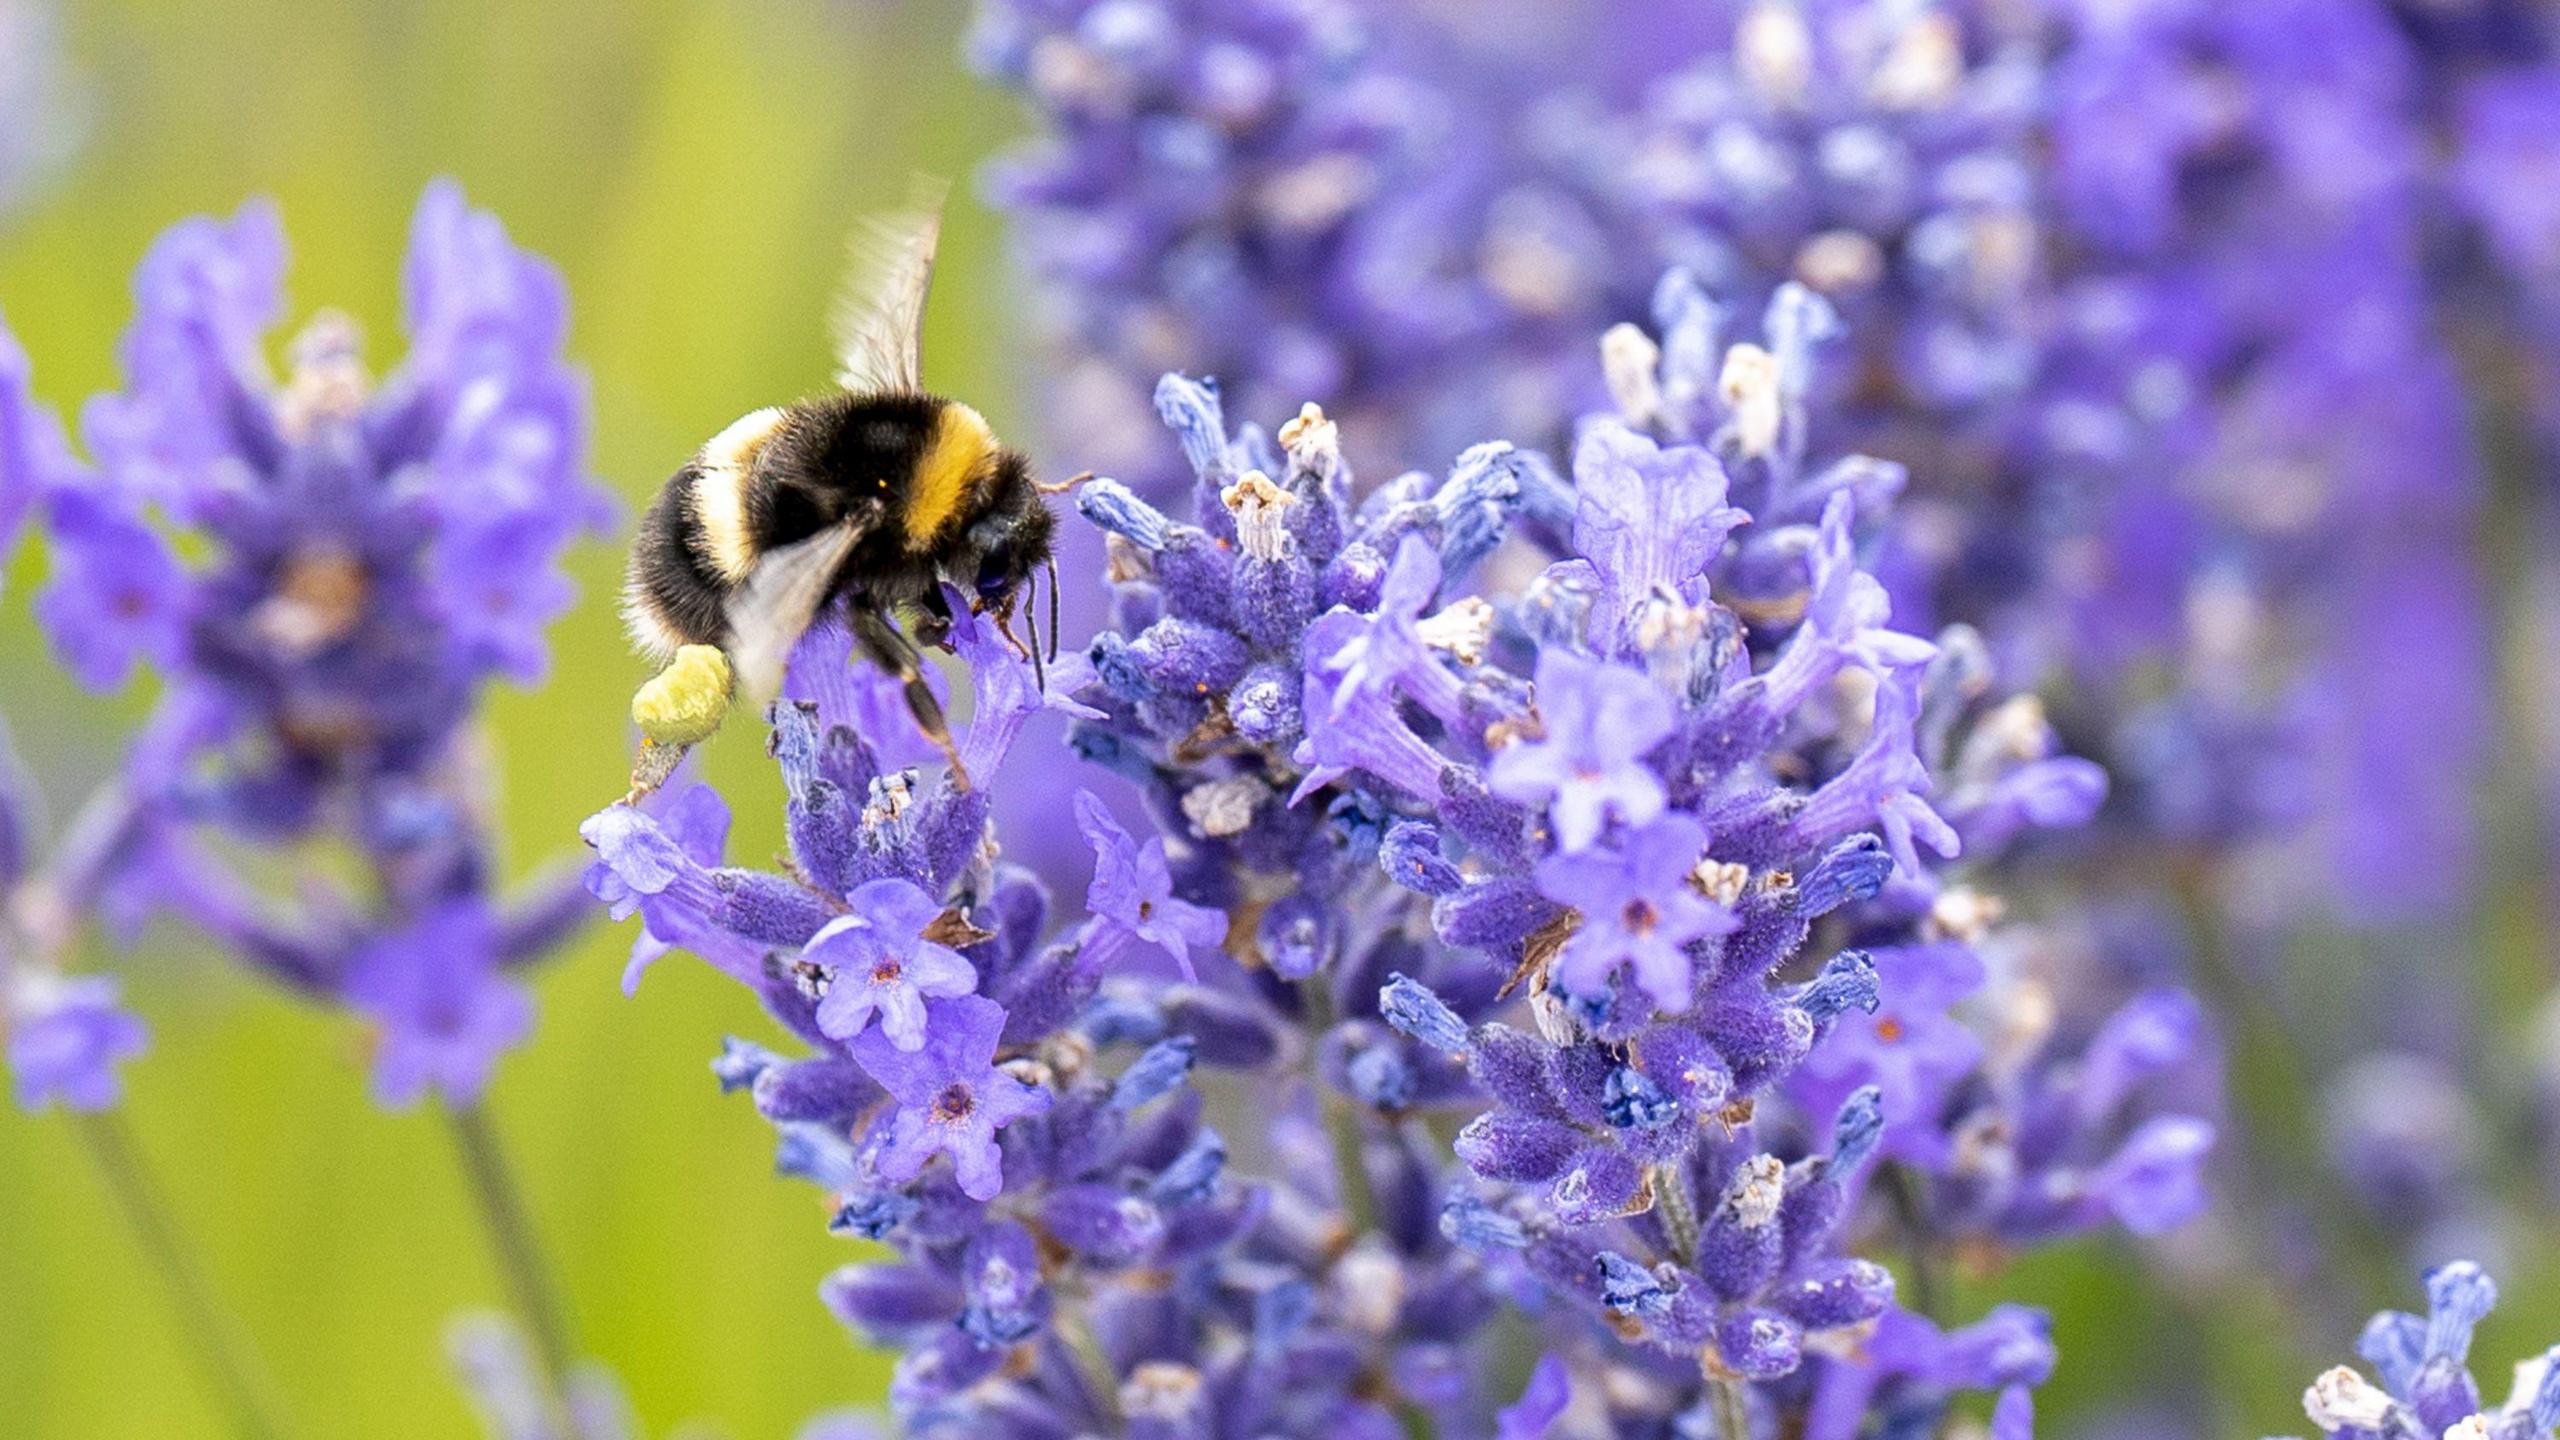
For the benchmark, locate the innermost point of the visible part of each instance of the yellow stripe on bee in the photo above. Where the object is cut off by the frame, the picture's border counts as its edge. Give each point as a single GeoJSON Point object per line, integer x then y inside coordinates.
{"type": "Point", "coordinates": [957, 455]}
{"type": "Point", "coordinates": [720, 490]}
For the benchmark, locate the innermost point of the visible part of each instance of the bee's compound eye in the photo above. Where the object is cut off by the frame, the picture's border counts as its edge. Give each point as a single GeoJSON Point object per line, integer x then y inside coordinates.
{"type": "Point", "coordinates": [995, 574]}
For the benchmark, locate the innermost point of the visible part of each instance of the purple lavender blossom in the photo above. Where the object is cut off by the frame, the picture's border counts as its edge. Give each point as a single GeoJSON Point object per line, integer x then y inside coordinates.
{"type": "Point", "coordinates": [372, 554]}
{"type": "Point", "coordinates": [1132, 894]}
{"type": "Point", "coordinates": [66, 1037]}
{"type": "Point", "coordinates": [2426, 1385]}
{"type": "Point", "coordinates": [1569, 865]}
{"type": "Point", "coordinates": [1598, 721]}
{"type": "Point", "coordinates": [446, 1012]}
{"type": "Point", "coordinates": [1639, 909]}
{"type": "Point", "coordinates": [877, 961]}
{"type": "Point", "coordinates": [951, 1098]}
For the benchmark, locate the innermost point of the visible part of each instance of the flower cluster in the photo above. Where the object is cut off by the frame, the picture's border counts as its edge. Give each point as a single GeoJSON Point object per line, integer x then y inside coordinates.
{"type": "Point", "coordinates": [1635, 869]}
{"type": "Point", "coordinates": [2140, 292]}
{"type": "Point", "coordinates": [2427, 1389]}
{"type": "Point", "coordinates": [372, 556]}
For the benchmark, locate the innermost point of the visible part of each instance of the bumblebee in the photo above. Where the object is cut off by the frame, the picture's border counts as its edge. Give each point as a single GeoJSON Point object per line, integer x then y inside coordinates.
{"type": "Point", "coordinates": [869, 500]}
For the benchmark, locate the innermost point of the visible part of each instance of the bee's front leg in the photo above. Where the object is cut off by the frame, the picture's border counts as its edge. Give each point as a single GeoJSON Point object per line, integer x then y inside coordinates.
{"type": "Point", "coordinates": [933, 624]}
{"type": "Point", "coordinates": [896, 654]}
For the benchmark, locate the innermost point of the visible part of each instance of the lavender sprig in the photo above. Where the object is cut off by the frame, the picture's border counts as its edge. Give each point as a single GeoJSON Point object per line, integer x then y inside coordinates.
{"type": "Point", "coordinates": [375, 555]}
{"type": "Point", "coordinates": [1665, 803]}
{"type": "Point", "coordinates": [2427, 1389]}
{"type": "Point", "coordinates": [327, 572]}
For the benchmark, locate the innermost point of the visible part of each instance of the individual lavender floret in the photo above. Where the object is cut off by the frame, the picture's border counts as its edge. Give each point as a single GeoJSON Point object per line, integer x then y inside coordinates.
{"type": "Point", "coordinates": [878, 960]}
{"type": "Point", "coordinates": [951, 1099]}
{"type": "Point", "coordinates": [2426, 1384]}
{"type": "Point", "coordinates": [1585, 770]}
{"type": "Point", "coordinates": [66, 1035]}
{"type": "Point", "coordinates": [371, 555]}
{"type": "Point", "coordinates": [1910, 1365]}
{"type": "Point", "coordinates": [1638, 910]}
{"type": "Point", "coordinates": [445, 1011]}
{"type": "Point", "coordinates": [1132, 896]}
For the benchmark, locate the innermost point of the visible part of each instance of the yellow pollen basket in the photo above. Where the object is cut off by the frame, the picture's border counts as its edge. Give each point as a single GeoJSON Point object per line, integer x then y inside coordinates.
{"type": "Point", "coordinates": [687, 701]}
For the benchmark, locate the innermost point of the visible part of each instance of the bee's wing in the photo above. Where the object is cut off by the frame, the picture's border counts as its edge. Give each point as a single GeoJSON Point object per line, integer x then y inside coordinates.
{"type": "Point", "coordinates": [879, 314]}
{"type": "Point", "coordinates": [782, 595]}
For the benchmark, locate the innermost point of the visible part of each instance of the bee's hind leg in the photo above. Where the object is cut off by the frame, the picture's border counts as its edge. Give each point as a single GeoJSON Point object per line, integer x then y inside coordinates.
{"type": "Point", "coordinates": [880, 640]}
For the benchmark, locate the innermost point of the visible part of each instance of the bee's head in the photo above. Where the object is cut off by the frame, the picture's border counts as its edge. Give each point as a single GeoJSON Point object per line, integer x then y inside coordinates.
{"type": "Point", "coordinates": [1000, 558]}
{"type": "Point", "coordinates": [1005, 549]}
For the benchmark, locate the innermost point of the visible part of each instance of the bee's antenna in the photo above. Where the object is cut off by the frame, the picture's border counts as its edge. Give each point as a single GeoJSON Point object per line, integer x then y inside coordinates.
{"type": "Point", "coordinates": [1031, 622]}
{"type": "Point", "coordinates": [1053, 605]}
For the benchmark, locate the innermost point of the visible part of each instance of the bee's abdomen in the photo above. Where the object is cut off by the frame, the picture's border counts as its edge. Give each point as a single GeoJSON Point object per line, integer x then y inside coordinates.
{"type": "Point", "coordinates": [672, 594]}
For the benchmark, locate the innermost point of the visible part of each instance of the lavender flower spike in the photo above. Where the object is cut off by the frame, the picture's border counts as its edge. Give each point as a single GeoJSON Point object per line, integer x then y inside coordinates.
{"type": "Point", "coordinates": [361, 559]}
{"type": "Point", "coordinates": [2426, 1385]}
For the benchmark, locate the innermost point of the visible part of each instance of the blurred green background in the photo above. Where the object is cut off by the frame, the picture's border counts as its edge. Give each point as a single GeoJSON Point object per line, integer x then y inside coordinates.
{"type": "Point", "coordinates": [692, 168]}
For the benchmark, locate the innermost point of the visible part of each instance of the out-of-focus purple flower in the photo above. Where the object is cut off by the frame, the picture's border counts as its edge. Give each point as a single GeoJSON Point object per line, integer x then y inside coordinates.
{"type": "Point", "coordinates": [66, 1037]}
{"type": "Point", "coordinates": [877, 961]}
{"type": "Point", "coordinates": [1542, 1402]}
{"type": "Point", "coordinates": [2009, 1351]}
{"type": "Point", "coordinates": [117, 597]}
{"type": "Point", "coordinates": [446, 1013]}
{"type": "Point", "coordinates": [1598, 720]}
{"type": "Point", "coordinates": [327, 571]}
{"type": "Point", "coordinates": [1912, 1048]}
{"type": "Point", "coordinates": [1132, 892]}
{"type": "Point", "coordinates": [2508, 169]}
{"type": "Point", "coordinates": [951, 1098]}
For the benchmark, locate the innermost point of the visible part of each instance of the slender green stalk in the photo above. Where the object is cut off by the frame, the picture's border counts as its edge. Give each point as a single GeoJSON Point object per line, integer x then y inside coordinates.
{"type": "Point", "coordinates": [1342, 1123]}
{"type": "Point", "coordinates": [217, 1343]}
{"type": "Point", "coordinates": [502, 1211]}
{"type": "Point", "coordinates": [1903, 1189]}
{"type": "Point", "coordinates": [1091, 1361]}
{"type": "Point", "coordinates": [1679, 1216]}
{"type": "Point", "coordinates": [1350, 1161]}
{"type": "Point", "coordinates": [1733, 1412]}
